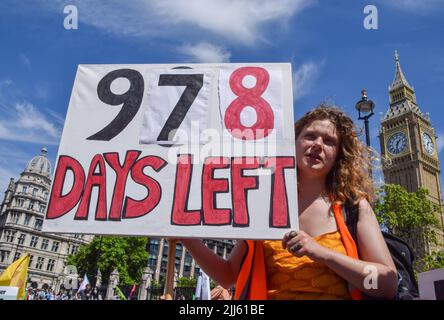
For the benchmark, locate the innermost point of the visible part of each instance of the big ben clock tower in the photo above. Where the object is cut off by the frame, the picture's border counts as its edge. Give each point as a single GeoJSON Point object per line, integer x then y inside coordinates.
{"type": "Point", "coordinates": [408, 139]}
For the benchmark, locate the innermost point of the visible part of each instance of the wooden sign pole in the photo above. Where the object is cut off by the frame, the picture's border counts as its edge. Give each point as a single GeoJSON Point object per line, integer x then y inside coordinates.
{"type": "Point", "coordinates": [169, 277]}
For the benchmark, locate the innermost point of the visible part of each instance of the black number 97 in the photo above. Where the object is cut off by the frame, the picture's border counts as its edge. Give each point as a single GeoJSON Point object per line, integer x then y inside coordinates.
{"type": "Point", "coordinates": [132, 99]}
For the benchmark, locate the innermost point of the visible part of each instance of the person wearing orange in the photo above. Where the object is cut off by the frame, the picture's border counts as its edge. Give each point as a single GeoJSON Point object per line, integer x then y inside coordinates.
{"type": "Point", "coordinates": [321, 260]}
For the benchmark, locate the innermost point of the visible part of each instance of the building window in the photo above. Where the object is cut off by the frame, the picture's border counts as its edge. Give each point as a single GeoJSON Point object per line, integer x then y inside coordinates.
{"type": "Point", "coordinates": [19, 202]}
{"type": "Point", "coordinates": [24, 189]}
{"type": "Point", "coordinates": [42, 208]}
{"type": "Point", "coordinates": [31, 205]}
{"type": "Point", "coordinates": [27, 219]}
{"type": "Point", "coordinates": [21, 239]}
{"type": "Point", "coordinates": [38, 224]}
{"type": "Point", "coordinates": [17, 255]}
{"type": "Point", "coordinates": [34, 241]}
{"type": "Point", "coordinates": [50, 265]}
{"type": "Point", "coordinates": [31, 260]}
{"type": "Point", "coordinates": [15, 217]}
{"type": "Point", "coordinates": [4, 255]}
{"type": "Point", "coordinates": [34, 192]}
{"type": "Point", "coordinates": [45, 195]}
{"type": "Point", "coordinates": [151, 262]}
{"type": "Point", "coordinates": [153, 246]}
{"type": "Point", "coordinates": [10, 235]}
{"type": "Point", "coordinates": [55, 246]}
{"type": "Point", "coordinates": [44, 245]}
{"type": "Point", "coordinates": [40, 262]}
{"type": "Point", "coordinates": [74, 249]}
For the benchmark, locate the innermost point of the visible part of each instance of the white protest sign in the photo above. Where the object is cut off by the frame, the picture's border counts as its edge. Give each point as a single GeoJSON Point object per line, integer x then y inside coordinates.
{"type": "Point", "coordinates": [8, 293]}
{"type": "Point", "coordinates": [203, 150]}
{"type": "Point", "coordinates": [431, 285]}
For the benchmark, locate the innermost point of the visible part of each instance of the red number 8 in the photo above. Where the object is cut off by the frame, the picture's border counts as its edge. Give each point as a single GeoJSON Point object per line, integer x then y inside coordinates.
{"type": "Point", "coordinates": [249, 97]}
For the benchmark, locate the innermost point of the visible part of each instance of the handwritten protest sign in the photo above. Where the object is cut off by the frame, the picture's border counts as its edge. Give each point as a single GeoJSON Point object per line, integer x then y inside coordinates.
{"type": "Point", "coordinates": [203, 150]}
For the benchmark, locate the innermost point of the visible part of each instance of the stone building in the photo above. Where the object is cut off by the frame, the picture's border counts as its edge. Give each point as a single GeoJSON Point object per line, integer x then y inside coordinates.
{"type": "Point", "coordinates": [21, 218]}
{"type": "Point", "coordinates": [408, 141]}
{"type": "Point", "coordinates": [185, 266]}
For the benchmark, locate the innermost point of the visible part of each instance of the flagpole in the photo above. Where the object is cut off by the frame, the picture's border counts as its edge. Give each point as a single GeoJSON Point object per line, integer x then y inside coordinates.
{"type": "Point", "coordinates": [169, 277]}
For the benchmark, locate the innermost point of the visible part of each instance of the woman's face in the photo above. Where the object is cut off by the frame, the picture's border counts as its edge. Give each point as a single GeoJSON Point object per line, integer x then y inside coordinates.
{"type": "Point", "coordinates": [317, 147]}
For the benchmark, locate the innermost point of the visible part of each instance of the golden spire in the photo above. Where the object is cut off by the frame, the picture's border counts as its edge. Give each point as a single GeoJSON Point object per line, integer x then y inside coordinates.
{"type": "Point", "coordinates": [399, 80]}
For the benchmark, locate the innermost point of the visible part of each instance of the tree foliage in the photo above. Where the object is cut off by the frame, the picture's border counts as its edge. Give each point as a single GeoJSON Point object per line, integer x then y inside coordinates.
{"type": "Point", "coordinates": [410, 216]}
{"type": "Point", "coordinates": [186, 282]}
{"type": "Point", "coordinates": [435, 260]}
{"type": "Point", "coordinates": [126, 254]}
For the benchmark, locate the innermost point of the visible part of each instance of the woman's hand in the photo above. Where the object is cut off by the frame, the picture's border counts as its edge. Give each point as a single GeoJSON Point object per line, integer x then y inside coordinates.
{"type": "Point", "coordinates": [301, 244]}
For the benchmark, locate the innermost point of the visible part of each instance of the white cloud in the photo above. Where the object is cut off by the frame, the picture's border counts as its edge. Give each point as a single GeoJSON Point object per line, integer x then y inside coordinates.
{"type": "Point", "coordinates": [239, 20]}
{"type": "Point", "coordinates": [205, 53]}
{"type": "Point", "coordinates": [440, 142]}
{"type": "Point", "coordinates": [27, 123]}
{"type": "Point", "coordinates": [304, 78]}
{"type": "Point", "coordinates": [414, 6]}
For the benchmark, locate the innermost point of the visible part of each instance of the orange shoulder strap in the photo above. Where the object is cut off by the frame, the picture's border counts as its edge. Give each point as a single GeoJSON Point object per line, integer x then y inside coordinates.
{"type": "Point", "coordinates": [251, 283]}
{"type": "Point", "coordinates": [347, 240]}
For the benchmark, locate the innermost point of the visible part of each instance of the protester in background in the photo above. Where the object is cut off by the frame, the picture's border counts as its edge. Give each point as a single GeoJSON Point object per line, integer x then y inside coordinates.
{"type": "Point", "coordinates": [95, 295]}
{"type": "Point", "coordinates": [42, 294]}
{"type": "Point", "coordinates": [321, 261]}
{"type": "Point", "coordinates": [85, 294]}
{"type": "Point", "coordinates": [31, 294]}
{"type": "Point", "coordinates": [50, 294]}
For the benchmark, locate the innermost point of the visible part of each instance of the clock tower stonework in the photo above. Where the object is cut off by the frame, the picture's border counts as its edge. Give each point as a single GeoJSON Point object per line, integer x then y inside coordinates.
{"type": "Point", "coordinates": [408, 144]}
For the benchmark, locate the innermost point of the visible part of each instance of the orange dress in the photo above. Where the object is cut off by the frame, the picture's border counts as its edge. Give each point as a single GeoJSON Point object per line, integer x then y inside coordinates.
{"type": "Point", "coordinates": [293, 278]}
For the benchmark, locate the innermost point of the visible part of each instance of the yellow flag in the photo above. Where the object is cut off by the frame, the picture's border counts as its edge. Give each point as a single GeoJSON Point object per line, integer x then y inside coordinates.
{"type": "Point", "coordinates": [16, 275]}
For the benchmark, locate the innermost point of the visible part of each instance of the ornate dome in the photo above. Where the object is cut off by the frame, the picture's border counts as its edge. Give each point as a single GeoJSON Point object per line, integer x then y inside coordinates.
{"type": "Point", "coordinates": [40, 164]}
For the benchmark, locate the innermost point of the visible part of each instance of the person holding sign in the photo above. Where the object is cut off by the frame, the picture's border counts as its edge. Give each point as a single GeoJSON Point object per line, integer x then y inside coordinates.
{"type": "Point", "coordinates": [321, 261]}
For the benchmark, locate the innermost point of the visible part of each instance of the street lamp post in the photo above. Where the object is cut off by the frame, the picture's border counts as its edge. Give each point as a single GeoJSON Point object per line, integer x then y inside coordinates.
{"type": "Point", "coordinates": [99, 254]}
{"type": "Point", "coordinates": [365, 110]}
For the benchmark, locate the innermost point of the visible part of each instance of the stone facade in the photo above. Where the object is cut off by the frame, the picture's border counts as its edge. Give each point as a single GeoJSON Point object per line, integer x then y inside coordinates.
{"type": "Point", "coordinates": [21, 218]}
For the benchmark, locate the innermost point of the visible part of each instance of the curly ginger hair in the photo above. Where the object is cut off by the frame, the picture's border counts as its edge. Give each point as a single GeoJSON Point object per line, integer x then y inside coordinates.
{"type": "Point", "coordinates": [349, 179]}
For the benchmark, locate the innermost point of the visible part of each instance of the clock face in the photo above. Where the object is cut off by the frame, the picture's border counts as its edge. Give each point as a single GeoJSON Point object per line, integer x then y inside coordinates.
{"type": "Point", "coordinates": [427, 142]}
{"type": "Point", "coordinates": [397, 143]}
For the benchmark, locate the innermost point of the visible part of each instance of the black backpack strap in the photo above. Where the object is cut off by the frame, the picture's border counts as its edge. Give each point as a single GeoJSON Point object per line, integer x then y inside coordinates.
{"type": "Point", "coordinates": [351, 217]}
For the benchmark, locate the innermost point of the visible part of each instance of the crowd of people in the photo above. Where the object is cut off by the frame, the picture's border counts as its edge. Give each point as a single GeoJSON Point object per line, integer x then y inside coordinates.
{"type": "Point", "coordinates": [46, 294]}
{"type": "Point", "coordinates": [88, 293]}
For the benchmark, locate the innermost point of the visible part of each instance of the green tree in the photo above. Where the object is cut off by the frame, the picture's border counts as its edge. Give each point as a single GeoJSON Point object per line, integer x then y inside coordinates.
{"type": "Point", "coordinates": [158, 284]}
{"type": "Point", "coordinates": [126, 254]}
{"type": "Point", "coordinates": [186, 282]}
{"type": "Point", "coordinates": [410, 216]}
{"type": "Point", "coordinates": [435, 260]}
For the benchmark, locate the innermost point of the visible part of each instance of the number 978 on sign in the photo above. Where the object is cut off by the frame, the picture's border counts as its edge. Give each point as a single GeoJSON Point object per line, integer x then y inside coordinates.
{"type": "Point", "coordinates": [181, 105]}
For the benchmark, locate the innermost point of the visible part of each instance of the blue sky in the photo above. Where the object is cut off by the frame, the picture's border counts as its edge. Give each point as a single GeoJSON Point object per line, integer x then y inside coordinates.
{"type": "Point", "coordinates": [333, 56]}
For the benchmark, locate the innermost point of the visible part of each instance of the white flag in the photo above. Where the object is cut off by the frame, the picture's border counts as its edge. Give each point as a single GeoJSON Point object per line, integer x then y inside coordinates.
{"type": "Point", "coordinates": [84, 283]}
{"type": "Point", "coordinates": [203, 287]}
